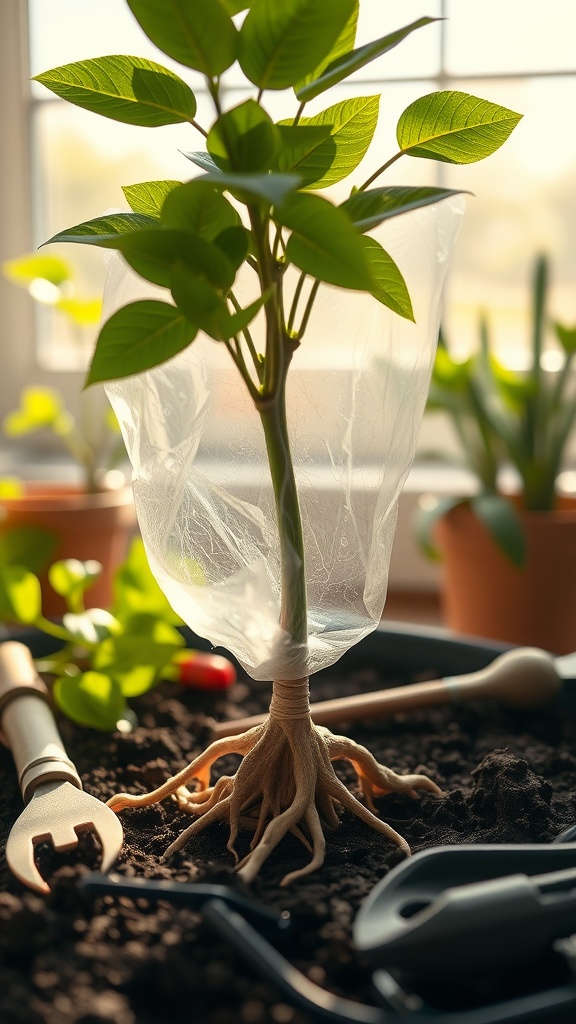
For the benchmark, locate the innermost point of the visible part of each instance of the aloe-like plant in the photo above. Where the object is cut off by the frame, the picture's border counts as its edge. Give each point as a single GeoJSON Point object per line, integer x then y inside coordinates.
{"type": "Point", "coordinates": [256, 204]}
{"type": "Point", "coordinates": [50, 280]}
{"type": "Point", "coordinates": [505, 418]}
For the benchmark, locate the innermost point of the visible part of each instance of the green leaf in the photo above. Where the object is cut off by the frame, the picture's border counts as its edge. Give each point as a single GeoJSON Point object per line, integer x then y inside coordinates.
{"type": "Point", "coordinates": [271, 188]}
{"type": "Point", "coordinates": [199, 208]}
{"type": "Point", "coordinates": [503, 524]}
{"type": "Point", "coordinates": [567, 338]}
{"type": "Point", "coordinates": [206, 309]}
{"type": "Point", "coordinates": [26, 269]}
{"type": "Point", "coordinates": [346, 63]}
{"type": "Point", "coordinates": [200, 35]}
{"type": "Point", "coordinates": [29, 546]}
{"type": "Point", "coordinates": [343, 44]}
{"type": "Point", "coordinates": [39, 407]}
{"type": "Point", "coordinates": [234, 243]}
{"type": "Point", "coordinates": [138, 337]}
{"type": "Point", "coordinates": [368, 209]}
{"type": "Point", "coordinates": [136, 591]}
{"type": "Point", "coordinates": [90, 626]}
{"type": "Point", "coordinates": [389, 286]}
{"type": "Point", "coordinates": [152, 254]}
{"type": "Point", "coordinates": [244, 139]}
{"type": "Point", "coordinates": [105, 230]}
{"type": "Point", "coordinates": [352, 123]}
{"type": "Point", "coordinates": [203, 160]}
{"type": "Point", "coordinates": [71, 578]}
{"type": "Point", "coordinates": [20, 597]}
{"type": "Point", "coordinates": [236, 322]}
{"type": "Point", "coordinates": [323, 242]}
{"type": "Point", "coordinates": [127, 89]}
{"type": "Point", "coordinates": [427, 516]}
{"type": "Point", "coordinates": [281, 43]}
{"type": "Point", "coordinates": [92, 699]}
{"type": "Point", "coordinates": [147, 197]}
{"type": "Point", "coordinates": [235, 6]}
{"type": "Point", "coordinates": [454, 127]}
{"type": "Point", "coordinates": [135, 661]}
{"type": "Point", "coordinates": [201, 304]}
{"type": "Point", "coordinates": [299, 141]}
{"type": "Point", "coordinates": [450, 374]}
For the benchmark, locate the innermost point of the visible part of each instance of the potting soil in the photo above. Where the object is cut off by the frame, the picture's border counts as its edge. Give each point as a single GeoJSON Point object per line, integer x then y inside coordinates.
{"type": "Point", "coordinates": [507, 777]}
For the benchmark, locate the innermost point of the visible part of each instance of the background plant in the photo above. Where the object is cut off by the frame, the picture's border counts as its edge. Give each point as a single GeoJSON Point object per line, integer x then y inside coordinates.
{"type": "Point", "coordinates": [255, 204]}
{"type": "Point", "coordinates": [505, 418]}
{"type": "Point", "coordinates": [103, 657]}
{"type": "Point", "coordinates": [50, 280]}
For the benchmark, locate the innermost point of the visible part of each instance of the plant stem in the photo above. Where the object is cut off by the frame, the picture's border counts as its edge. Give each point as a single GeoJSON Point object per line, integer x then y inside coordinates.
{"type": "Point", "coordinates": [293, 610]}
{"type": "Point", "coordinates": [272, 411]}
{"type": "Point", "coordinates": [381, 170]}
{"type": "Point", "coordinates": [308, 309]}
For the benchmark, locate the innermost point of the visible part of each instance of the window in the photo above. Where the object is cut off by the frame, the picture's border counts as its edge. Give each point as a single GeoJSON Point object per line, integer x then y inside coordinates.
{"type": "Point", "coordinates": [63, 165]}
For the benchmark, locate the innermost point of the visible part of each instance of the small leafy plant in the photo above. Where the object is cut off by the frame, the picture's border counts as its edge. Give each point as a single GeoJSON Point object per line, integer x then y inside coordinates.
{"type": "Point", "coordinates": [103, 657]}
{"type": "Point", "coordinates": [255, 204]}
{"type": "Point", "coordinates": [50, 280]}
{"type": "Point", "coordinates": [505, 418]}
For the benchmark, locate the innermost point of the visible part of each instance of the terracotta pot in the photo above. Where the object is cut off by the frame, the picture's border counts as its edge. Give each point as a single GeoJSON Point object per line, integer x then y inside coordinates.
{"type": "Point", "coordinates": [484, 594]}
{"type": "Point", "coordinates": [86, 526]}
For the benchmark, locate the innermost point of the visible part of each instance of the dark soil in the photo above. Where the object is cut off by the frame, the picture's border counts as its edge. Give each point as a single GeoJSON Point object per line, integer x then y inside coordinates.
{"type": "Point", "coordinates": [507, 777]}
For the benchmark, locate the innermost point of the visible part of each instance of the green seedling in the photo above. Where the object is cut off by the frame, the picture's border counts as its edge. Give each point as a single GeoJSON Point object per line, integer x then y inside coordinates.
{"type": "Point", "coordinates": [105, 656]}
{"type": "Point", "coordinates": [254, 202]}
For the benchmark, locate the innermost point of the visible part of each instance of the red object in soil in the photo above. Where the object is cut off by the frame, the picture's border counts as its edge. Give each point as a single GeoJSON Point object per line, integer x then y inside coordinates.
{"type": "Point", "coordinates": [204, 671]}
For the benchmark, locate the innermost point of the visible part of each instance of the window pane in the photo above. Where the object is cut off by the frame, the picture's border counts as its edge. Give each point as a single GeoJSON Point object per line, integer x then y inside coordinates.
{"type": "Point", "coordinates": [511, 36]}
{"type": "Point", "coordinates": [524, 204]}
{"type": "Point", "coordinates": [81, 162]}
{"type": "Point", "coordinates": [416, 56]}
{"type": "Point", "coordinates": [62, 31]}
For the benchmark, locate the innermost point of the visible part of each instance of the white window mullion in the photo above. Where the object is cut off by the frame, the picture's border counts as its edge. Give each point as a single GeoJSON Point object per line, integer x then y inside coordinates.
{"type": "Point", "coordinates": [17, 313]}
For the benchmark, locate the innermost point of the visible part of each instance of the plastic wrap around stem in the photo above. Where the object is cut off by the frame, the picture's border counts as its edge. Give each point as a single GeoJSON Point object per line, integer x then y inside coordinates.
{"type": "Point", "coordinates": [356, 393]}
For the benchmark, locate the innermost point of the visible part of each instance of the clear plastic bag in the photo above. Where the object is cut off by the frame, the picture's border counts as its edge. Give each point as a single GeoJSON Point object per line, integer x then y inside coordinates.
{"type": "Point", "coordinates": [356, 394]}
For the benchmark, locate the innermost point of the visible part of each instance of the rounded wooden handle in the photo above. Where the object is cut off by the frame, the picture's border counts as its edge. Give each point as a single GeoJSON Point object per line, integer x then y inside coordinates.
{"type": "Point", "coordinates": [524, 677]}
{"type": "Point", "coordinates": [18, 675]}
{"type": "Point", "coordinates": [27, 722]}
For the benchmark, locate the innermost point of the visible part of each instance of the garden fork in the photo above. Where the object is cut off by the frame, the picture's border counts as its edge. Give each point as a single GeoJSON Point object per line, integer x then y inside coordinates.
{"type": "Point", "coordinates": [56, 808]}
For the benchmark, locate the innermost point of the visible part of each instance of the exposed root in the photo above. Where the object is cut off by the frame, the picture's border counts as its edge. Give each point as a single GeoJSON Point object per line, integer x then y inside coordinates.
{"type": "Point", "coordinates": [285, 783]}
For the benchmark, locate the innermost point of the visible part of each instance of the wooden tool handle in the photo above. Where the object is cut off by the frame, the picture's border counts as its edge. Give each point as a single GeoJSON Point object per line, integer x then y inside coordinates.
{"type": "Point", "coordinates": [358, 706]}
{"type": "Point", "coordinates": [524, 677]}
{"type": "Point", "coordinates": [28, 725]}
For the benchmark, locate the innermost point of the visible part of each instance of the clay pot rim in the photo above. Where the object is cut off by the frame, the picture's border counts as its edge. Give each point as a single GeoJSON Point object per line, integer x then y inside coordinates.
{"type": "Point", "coordinates": [564, 512]}
{"type": "Point", "coordinates": [57, 496]}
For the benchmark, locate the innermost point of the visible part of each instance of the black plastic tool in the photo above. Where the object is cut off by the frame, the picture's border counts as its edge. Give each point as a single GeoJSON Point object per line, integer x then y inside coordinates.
{"type": "Point", "coordinates": [470, 909]}
{"type": "Point", "coordinates": [186, 894]}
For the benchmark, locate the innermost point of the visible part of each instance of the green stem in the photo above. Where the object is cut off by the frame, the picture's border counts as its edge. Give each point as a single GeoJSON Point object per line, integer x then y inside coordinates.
{"type": "Point", "coordinates": [271, 407]}
{"type": "Point", "coordinates": [295, 300]}
{"type": "Point", "coordinates": [293, 610]}
{"type": "Point", "coordinates": [381, 170]}
{"type": "Point", "coordinates": [53, 629]}
{"type": "Point", "coordinates": [299, 113]}
{"type": "Point", "coordinates": [308, 309]}
{"type": "Point", "coordinates": [198, 127]}
{"type": "Point", "coordinates": [249, 340]}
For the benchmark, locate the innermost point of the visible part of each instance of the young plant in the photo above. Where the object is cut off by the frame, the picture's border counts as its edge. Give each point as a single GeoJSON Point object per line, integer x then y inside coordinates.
{"type": "Point", "coordinates": [255, 203]}
{"type": "Point", "coordinates": [50, 281]}
{"type": "Point", "coordinates": [104, 657]}
{"type": "Point", "coordinates": [506, 418]}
